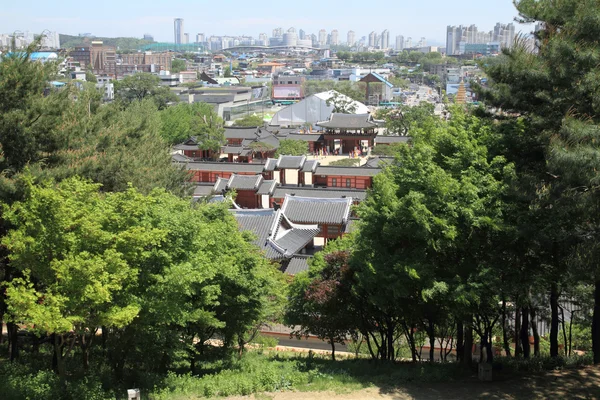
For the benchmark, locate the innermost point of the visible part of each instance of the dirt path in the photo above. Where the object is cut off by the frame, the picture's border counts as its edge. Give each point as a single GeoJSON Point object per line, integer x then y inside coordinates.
{"type": "Point", "coordinates": [572, 384]}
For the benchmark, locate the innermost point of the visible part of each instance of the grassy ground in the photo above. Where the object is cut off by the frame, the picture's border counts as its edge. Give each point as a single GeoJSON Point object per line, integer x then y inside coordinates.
{"type": "Point", "coordinates": [300, 377]}
{"type": "Point", "coordinates": [581, 383]}
{"type": "Point", "coordinates": [263, 374]}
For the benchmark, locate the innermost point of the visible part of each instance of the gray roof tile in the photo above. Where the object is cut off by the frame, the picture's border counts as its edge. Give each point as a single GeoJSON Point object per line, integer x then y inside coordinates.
{"type": "Point", "coordinates": [267, 187]}
{"type": "Point", "coordinates": [355, 194]}
{"type": "Point", "coordinates": [349, 121]}
{"type": "Point", "coordinates": [291, 162]}
{"type": "Point", "coordinates": [244, 182]}
{"type": "Point", "coordinates": [296, 265]}
{"type": "Point", "coordinates": [220, 185]}
{"type": "Point", "coordinates": [310, 210]}
{"type": "Point", "coordinates": [240, 133]}
{"type": "Point", "coordinates": [271, 164]}
{"type": "Point", "coordinates": [310, 166]}
{"type": "Point", "coordinates": [347, 171]}
{"type": "Point", "coordinates": [225, 167]}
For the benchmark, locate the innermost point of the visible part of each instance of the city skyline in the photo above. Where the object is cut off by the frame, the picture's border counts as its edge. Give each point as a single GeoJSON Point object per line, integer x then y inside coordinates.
{"type": "Point", "coordinates": [133, 20]}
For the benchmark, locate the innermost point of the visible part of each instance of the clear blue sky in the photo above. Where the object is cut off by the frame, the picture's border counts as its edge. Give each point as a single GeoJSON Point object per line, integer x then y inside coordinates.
{"type": "Point", "coordinates": [235, 17]}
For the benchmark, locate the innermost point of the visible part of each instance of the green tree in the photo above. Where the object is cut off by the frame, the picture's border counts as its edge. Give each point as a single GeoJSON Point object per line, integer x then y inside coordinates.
{"type": "Point", "coordinates": [319, 301]}
{"type": "Point", "coordinates": [178, 65]}
{"type": "Point", "coordinates": [290, 147]}
{"type": "Point", "coordinates": [142, 85]}
{"type": "Point", "coordinates": [341, 104]}
{"type": "Point", "coordinates": [249, 121]}
{"type": "Point", "coordinates": [544, 97]}
{"type": "Point", "coordinates": [227, 73]}
{"type": "Point", "coordinates": [182, 121]}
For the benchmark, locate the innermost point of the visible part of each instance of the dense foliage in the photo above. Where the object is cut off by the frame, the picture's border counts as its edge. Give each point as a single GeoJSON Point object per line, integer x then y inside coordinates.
{"type": "Point", "coordinates": [290, 147]}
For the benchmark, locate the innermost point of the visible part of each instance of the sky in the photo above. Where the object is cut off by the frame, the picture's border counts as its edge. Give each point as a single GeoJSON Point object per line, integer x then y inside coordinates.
{"type": "Point", "coordinates": [133, 18]}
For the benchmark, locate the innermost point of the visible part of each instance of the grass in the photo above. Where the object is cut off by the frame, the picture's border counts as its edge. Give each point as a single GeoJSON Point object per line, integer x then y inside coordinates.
{"type": "Point", "coordinates": [261, 371]}
{"type": "Point", "coordinates": [256, 373]}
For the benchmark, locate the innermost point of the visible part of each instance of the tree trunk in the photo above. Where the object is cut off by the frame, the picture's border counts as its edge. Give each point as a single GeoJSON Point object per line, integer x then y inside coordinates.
{"type": "Point", "coordinates": [596, 323]}
{"type": "Point", "coordinates": [564, 328]}
{"type": "Point", "coordinates": [554, 320]}
{"type": "Point", "coordinates": [332, 350]}
{"type": "Point", "coordinates": [391, 351]}
{"type": "Point", "coordinates": [505, 330]}
{"type": "Point", "coordinates": [536, 336]}
{"type": "Point", "coordinates": [525, 332]}
{"type": "Point", "coordinates": [467, 358]}
{"type": "Point", "coordinates": [60, 362]}
{"type": "Point", "coordinates": [13, 340]}
{"type": "Point", "coordinates": [460, 332]}
{"type": "Point", "coordinates": [85, 353]}
{"type": "Point", "coordinates": [489, 348]}
{"type": "Point", "coordinates": [518, 347]}
{"type": "Point", "coordinates": [431, 333]}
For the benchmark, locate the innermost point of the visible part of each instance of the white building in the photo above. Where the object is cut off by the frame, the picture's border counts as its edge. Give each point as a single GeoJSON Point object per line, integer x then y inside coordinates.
{"type": "Point", "coordinates": [178, 30]}
{"type": "Point", "coordinates": [351, 38]}
{"type": "Point", "coordinates": [399, 43]}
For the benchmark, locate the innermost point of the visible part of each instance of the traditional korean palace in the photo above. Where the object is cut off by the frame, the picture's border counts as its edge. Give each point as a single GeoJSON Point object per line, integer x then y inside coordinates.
{"type": "Point", "coordinates": [345, 133]}
{"type": "Point", "coordinates": [293, 204]}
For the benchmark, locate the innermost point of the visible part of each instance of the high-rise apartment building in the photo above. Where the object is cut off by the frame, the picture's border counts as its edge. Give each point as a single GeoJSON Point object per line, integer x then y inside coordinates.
{"type": "Point", "coordinates": [263, 39]}
{"type": "Point", "coordinates": [149, 37]}
{"type": "Point", "coordinates": [408, 43]}
{"type": "Point", "coordinates": [335, 39]}
{"type": "Point", "coordinates": [399, 43]}
{"type": "Point", "coordinates": [372, 39]}
{"type": "Point", "coordinates": [200, 38]}
{"type": "Point", "coordinates": [322, 37]}
{"type": "Point", "coordinates": [385, 39]}
{"type": "Point", "coordinates": [178, 28]}
{"type": "Point", "coordinates": [422, 42]}
{"type": "Point", "coordinates": [351, 38]}
{"type": "Point", "coordinates": [186, 38]}
{"type": "Point", "coordinates": [504, 34]}
{"type": "Point", "coordinates": [301, 34]}
{"type": "Point", "coordinates": [277, 32]}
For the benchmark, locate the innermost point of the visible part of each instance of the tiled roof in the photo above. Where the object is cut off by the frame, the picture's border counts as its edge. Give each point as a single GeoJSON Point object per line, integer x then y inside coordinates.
{"type": "Point", "coordinates": [296, 265]}
{"type": "Point", "coordinates": [348, 121]}
{"type": "Point", "coordinates": [220, 185]}
{"type": "Point", "coordinates": [333, 193]}
{"type": "Point", "coordinates": [244, 182]}
{"type": "Point", "coordinates": [267, 187]}
{"type": "Point", "coordinates": [203, 190]}
{"type": "Point", "coordinates": [186, 147]}
{"type": "Point", "coordinates": [271, 164]}
{"type": "Point", "coordinates": [232, 149]}
{"type": "Point", "coordinates": [378, 162]}
{"type": "Point", "coordinates": [310, 166]}
{"type": "Point", "coordinates": [391, 139]}
{"type": "Point", "coordinates": [347, 171]}
{"type": "Point", "coordinates": [276, 235]}
{"type": "Point", "coordinates": [291, 162]}
{"type": "Point", "coordinates": [311, 210]}
{"type": "Point", "coordinates": [240, 133]}
{"type": "Point", "coordinates": [180, 158]}
{"type": "Point", "coordinates": [288, 238]}
{"type": "Point", "coordinates": [259, 222]}
{"type": "Point", "coordinates": [308, 137]}
{"type": "Point", "coordinates": [225, 167]}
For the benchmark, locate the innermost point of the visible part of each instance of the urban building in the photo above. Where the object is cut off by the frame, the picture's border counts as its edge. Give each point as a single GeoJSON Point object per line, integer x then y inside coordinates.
{"type": "Point", "coordinates": [351, 38]}
{"type": "Point", "coordinates": [372, 39]}
{"type": "Point", "coordinates": [178, 30]}
{"type": "Point", "coordinates": [408, 43]}
{"type": "Point", "coordinates": [277, 32]}
{"type": "Point", "coordinates": [399, 43]}
{"type": "Point", "coordinates": [322, 38]}
{"type": "Point", "coordinates": [148, 37]}
{"type": "Point", "coordinates": [459, 37]}
{"type": "Point", "coordinates": [200, 38]}
{"type": "Point", "coordinates": [334, 40]}
{"type": "Point", "coordinates": [186, 38]}
{"type": "Point", "coordinates": [301, 34]}
{"type": "Point", "coordinates": [263, 40]}
{"type": "Point", "coordinates": [385, 40]}
{"type": "Point", "coordinates": [162, 61]}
